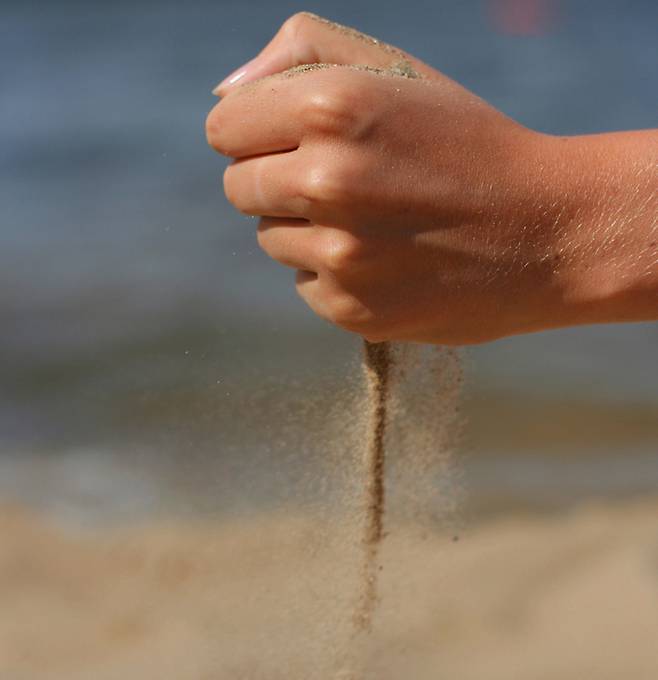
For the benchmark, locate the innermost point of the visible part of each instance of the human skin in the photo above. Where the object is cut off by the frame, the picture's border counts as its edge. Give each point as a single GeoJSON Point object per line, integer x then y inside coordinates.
{"type": "Point", "coordinates": [415, 211]}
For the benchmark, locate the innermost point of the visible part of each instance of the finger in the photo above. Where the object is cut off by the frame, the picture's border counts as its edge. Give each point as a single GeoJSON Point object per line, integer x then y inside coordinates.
{"type": "Point", "coordinates": [329, 301]}
{"type": "Point", "coordinates": [293, 243]}
{"type": "Point", "coordinates": [266, 186]}
{"type": "Point", "coordinates": [255, 122]}
{"type": "Point", "coordinates": [283, 112]}
{"type": "Point", "coordinates": [307, 39]}
{"type": "Point", "coordinates": [310, 286]}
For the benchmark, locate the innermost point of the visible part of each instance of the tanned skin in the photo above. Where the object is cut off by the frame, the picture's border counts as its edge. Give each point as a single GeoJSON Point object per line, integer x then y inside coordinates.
{"type": "Point", "coordinates": [412, 210]}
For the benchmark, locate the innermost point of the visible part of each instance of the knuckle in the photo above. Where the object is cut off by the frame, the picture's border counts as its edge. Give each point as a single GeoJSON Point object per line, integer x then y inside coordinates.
{"type": "Point", "coordinates": [295, 24]}
{"type": "Point", "coordinates": [342, 253]}
{"type": "Point", "coordinates": [347, 311]}
{"type": "Point", "coordinates": [323, 184]}
{"type": "Point", "coordinates": [331, 111]}
{"type": "Point", "coordinates": [296, 36]}
{"type": "Point", "coordinates": [344, 310]}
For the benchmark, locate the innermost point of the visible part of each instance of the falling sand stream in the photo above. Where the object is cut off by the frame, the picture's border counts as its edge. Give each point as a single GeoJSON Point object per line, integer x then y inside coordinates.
{"type": "Point", "coordinates": [406, 429]}
{"type": "Point", "coordinates": [377, 365]}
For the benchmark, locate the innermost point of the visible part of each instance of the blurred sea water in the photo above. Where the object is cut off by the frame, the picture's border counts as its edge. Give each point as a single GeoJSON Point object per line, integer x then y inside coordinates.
{"type": "Point", "coordinates": [140, 323]}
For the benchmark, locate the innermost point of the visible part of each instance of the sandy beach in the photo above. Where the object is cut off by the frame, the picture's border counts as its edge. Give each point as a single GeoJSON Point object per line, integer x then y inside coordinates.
{"type": "Point", "coordinates": [181, 439]}
{"type": "Point", "coordinates": [552, 597]}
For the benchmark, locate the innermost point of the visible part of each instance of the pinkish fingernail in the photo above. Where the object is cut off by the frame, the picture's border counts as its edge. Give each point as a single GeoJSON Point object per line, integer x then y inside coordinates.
{"type": "Point", "coordinates": [233, 78]}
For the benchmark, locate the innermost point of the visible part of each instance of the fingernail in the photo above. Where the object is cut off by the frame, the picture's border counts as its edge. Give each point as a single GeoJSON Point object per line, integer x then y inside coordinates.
{"type": "Point", "coordinates": [233, 78]}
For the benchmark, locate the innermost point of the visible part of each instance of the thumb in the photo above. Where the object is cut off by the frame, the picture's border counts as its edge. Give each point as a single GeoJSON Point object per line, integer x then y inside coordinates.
{"type": "Point", "coordinates": [308, 39]}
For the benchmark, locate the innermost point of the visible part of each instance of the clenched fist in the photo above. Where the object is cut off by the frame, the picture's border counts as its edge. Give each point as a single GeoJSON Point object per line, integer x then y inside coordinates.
{"type": "Point", "coordinates": [415, 211]}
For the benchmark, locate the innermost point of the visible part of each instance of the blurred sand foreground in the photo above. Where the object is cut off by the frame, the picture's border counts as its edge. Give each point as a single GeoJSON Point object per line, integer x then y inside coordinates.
{"type": "Point", "coordinates": [533, 598]}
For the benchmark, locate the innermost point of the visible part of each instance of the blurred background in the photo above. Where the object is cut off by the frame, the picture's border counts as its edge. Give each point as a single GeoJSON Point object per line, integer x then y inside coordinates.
{"type": "Point", "coordinates": [154, 363]}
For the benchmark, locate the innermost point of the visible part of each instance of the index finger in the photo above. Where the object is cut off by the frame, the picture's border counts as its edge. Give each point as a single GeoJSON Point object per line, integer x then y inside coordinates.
{"type": "Point", "coordinates": [267, 116]}
{"type": "Point", "coordinates": [245, 123]}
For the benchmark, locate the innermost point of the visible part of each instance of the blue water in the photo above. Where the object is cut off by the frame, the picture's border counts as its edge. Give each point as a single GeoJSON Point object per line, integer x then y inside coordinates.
{"type": "Point", "coordinates": [126, 276]}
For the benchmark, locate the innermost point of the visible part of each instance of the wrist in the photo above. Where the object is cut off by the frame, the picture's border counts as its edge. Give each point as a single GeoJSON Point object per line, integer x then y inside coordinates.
{"type": "Point", "coordinates": [596, 197]}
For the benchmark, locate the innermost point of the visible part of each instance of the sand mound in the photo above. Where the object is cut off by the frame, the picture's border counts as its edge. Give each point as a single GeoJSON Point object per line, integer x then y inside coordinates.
{"type": "Point", "coordinates": [561, 598]}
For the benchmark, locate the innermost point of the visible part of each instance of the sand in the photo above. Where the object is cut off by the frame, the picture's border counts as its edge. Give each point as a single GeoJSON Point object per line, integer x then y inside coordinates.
{"type": "Point", "coordinates": [379, 362]}
{"type": "Point", "coordinates": [561, 597]}
{"type": "Point", "coordinates": [354, 34]}
{"type": "Point", "coordinates": [377, 367]}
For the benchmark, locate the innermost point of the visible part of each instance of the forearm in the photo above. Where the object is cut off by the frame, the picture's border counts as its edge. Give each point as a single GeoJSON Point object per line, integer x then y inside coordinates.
{"type": "Point", "coordinates": [603, 214]}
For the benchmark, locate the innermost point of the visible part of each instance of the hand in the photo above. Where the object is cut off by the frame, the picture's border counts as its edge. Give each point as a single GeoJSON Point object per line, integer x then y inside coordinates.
{"type": "Point", "coordinates": [411, 209]}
